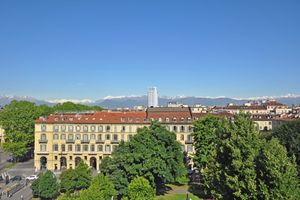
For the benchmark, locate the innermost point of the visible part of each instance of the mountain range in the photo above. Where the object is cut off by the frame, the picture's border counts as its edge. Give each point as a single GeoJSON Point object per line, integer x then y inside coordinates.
{"type": "Point", "coordinates": [131, 101]}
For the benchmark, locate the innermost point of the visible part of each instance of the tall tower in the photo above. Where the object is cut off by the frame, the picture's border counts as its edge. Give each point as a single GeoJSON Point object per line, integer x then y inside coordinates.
{"type": "Point", "coordinates": [152, 97]}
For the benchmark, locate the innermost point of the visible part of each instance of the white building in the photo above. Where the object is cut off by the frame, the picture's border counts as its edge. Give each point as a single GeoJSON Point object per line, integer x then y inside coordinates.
{"type": "Point", "coordinates": [152, 97]}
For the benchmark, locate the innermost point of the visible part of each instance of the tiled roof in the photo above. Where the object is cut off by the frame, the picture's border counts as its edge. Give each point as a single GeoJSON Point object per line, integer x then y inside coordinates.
{"type": "Point", "coordinates": [96, 117]}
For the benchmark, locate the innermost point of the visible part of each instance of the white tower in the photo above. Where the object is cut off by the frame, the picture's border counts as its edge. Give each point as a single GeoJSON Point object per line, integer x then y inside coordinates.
{"type": "Point", "coordinates": [152, 97]}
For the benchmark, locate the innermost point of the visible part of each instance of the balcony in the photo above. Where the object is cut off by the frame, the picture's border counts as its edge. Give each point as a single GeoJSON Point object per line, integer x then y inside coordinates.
{"type": "Point", "coordinates": [85, 141]}
{"type": "Point", "coordinates": [99, 141]}
{"type": "Point", "coordinates": [115, 142]}
{"type": "Point", "coordinates": [189, 142]}
{"type": "Point", "coordinates": [70, 141]}
{"type": "Point", "coordinates": [43, 140]}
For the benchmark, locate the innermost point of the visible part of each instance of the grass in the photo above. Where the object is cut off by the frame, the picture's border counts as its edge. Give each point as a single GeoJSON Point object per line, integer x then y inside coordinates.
{"type": "Point", "coordinates": [180, 189]}
{"type": "Point", "coordinates": [176, 197]}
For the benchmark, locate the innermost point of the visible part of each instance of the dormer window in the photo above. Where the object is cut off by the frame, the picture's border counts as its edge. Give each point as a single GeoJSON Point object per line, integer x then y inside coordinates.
{"type": "Point", "coordinates": [130, 119]}
{"type": "Point", "coordinates": [167, 119]}
{"type": "Point", "coordinates": [123, 119]}
{"type": "Point", "coordinates": [71, 119]}
{"type": "Point", "coordinates": [174, 119]}
{"type": "Point", "coordinates": [56, 119]}
{"type": "Point", "coordinates": [189, 119]}
{"type": "Point", "coordinates": [182, 119]}
{"type": "Point", "coordinates": [137, 120]}
{"type": "Point", "coordinates": [160, 119]}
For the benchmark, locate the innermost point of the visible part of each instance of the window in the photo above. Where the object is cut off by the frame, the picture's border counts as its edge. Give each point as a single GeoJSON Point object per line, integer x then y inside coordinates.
{"type": "Point", "coordinates": [190, 128]}
{"type": "Point", "coordinates": [189, 119]}
{"type": "Point", "coordinates": [115, 138]}
{"type": "Point", "coordinates": [182, 119]}
{"type": "Point", "coordinates": [175, 128]}
{"type": "Point", "coordinates": [122, 119]}
{"type": "Point", "coordinates": [189, 148]}
{"type": "Point", "coordinates": [55, 137]}
{"type": "Point", "coordinates": [107, 128]}
{"type": "Point", "coordinates": [85, 128]}
{"type": "Point", "coordinates": [93, 137]}
{"type": "Point", "coordinates": [63, 148]}
{"type": "Point", "coordinates": [100, 128]}
{"type": "Point", "coordinates": [70, 137]}
{"type": "Point", "coordinates": [43, 147]}
{"type": "Point", "coordinates": [78, 136]}
{"type": "Point", "coordinates": [99, 137]}
{"type": "Point", "coordinates": [182, 137]}
{"type": "Point", "coordinates": [182, 129]}
{"type": "Point", "coordinates": [85, 137]}
{"type": "Point", "coordinates": [190, 138]}
{"type": "Point", "coordinates": [43, 127]}
{"type": "Point", "coordinates": [78, 128]}
{"type": "Point", "coordinates": [70, 147]}
{"type": "Point", "coordinates": [130, 129]}
{"type": "Point", "coordinates": [55, 128]}
{"type": "Point", "coordinates": [145, 119]}
{"type": "Point", "coordinates": [115, 128]}
{"type": "Point", "coordinates": [130, 119]}
{"type": "Point", "coordinates": [167, 119]}
{"type": "Point", "coordinates": [77, 148]}
{"type": "Point", "coordinates": [137, 120]}
{"type": "Point", "coordinates": [63, 128]}
{"type": "Point", "coordinates": [85, 147]}
{"type": "Point", "coordinates": [100, 147]}
{"type": "Point", "coordinates": [123, 128]}
{"type": "Point", "coordinates": [174, 119]}
{"type": "Point", "coordinates": [71, 128]}
{"type": "Point", "coordinates": [93, 128]}
{"type": "Point", "coordinates": [43, 137]}
{"type": "Point", "coordinates": [107, 136]}
{"type": "Point", "coordinates": [92, 148]}
{"type": "Point", "coordinates": [107, 148]}
{"type": "Point", "coordinates": [63, 136]}
{"type": "Point", "coordinates": [160, 119]}
{"type": "Point", "coordinates": [55, 147]}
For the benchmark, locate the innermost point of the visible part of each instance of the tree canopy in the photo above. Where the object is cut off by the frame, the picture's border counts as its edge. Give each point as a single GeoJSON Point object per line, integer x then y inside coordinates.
{"type": "Point", "coordinates": [289, 136]}
{"type": "Point", "coordinates": [243, 166]}
{"type": "Point", "coordinates": [101, 188]}
{"type": "Point", "coordinates": [46, 186]}
{"type": "Point", "coordinates": [70, 106]}
{"type": "Point", "coordinates": [75, 179]}
{"type": "Point", "coordinates": [139, 188]}
{"type": "Point", "coordinates": [153, 153]}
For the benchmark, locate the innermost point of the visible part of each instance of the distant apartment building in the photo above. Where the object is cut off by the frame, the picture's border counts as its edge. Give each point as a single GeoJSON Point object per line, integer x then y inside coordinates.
{"type": "Point", "coordinates": [236, 109]}
{"type": "Point", "coordinates": [152, 97]}
{"type": "Point", "coordinates": [277, 108]}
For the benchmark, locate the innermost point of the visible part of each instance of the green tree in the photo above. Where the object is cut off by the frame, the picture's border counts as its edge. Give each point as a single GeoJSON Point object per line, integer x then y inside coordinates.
{"type": "Point", "coordinates": [276, 173]}
{"type": "Point", "coordinates": [70, 106]}
{"type": "Point", "coordinates": [206, 138]}
{"type": "Point", "coordinates": [139, 188]}
{"type": "Point", "coordinates": [17, 119]}
{"type": "Point", "coordinates": [289, 136]}
{"type": "Point", "coordinates": [152, 153]}
{"type": "Point", "coordinates": [46, 186]}
{"type": "Point", "coordinates": [244, 166]}
{"type": "Point", "coordinates": [76, 179]}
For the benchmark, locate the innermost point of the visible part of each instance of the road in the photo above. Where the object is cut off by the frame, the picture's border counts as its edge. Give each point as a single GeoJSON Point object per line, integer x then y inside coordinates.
{"type": "Point", "coordinates": [24, 169]}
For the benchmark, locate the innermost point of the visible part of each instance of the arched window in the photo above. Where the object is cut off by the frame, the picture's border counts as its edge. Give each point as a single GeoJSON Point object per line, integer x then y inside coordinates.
{"type": "Point", "coordinates": [175, 128]}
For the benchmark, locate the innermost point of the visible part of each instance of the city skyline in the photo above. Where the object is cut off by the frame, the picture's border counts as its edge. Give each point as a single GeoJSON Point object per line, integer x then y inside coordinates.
{"type": "Point", "coordinates": [79, 50]}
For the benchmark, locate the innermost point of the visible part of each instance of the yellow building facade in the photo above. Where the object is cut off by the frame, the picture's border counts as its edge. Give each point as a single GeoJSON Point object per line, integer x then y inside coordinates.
{"type": "Point", "coordinates": [63, 140]}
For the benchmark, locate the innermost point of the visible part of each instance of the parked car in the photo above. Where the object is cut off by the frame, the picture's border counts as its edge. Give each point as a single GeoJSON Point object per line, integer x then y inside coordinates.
{"type": "Point", "coordinates": [16, 178]}
{"type": "Point", "coordinates": [31, 177]}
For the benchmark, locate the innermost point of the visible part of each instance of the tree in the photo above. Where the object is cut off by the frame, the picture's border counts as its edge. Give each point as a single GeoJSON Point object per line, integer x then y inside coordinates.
{"type": "Point", "coordinates": [46, 186]}
{"type": "Point", "coordinates": [205, 137]}
{"type": "Point", "coordinates": [289, 136]}
{"type": "Point", "coordinates": [70, 106]}
{"type": "Point", "coordinates": [243, 166]}
{"type": "Point", "coordinates": [76, 179]}
{"type": "Point", "coordinates": [152, 153]}
{"type": "Point", "coordinates": [276, 172]}
{"type": "Point", "coordinates": [17, 119]}
{"type": "Point", "coordinates": [139, 188]}
{"type": "Point", "coordinates": [101, 188]}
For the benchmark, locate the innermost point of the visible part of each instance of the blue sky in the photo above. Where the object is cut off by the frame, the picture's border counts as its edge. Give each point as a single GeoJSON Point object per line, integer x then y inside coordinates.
{"type": "Point", "coordinates": [92, 49]}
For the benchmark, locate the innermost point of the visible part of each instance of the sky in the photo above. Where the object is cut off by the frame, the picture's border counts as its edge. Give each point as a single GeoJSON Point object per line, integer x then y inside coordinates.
{"type": "Point", "coordinates": [74, 49]}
